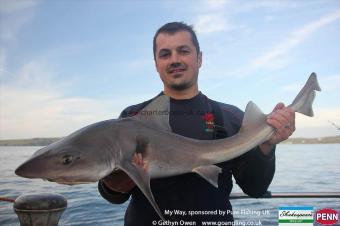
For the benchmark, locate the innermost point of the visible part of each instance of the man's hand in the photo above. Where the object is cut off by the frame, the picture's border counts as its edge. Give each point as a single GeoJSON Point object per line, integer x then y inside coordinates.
{"type": "Point", "coordinates": [282, 119]}
{"type": "Point", "coordinates": [119, 181]}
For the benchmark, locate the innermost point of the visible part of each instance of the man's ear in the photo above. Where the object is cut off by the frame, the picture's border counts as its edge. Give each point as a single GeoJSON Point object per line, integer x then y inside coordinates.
{"type": "Point", "coordinates": [199, 59]}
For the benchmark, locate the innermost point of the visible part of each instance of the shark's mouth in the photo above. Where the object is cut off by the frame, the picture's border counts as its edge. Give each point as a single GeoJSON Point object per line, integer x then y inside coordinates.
{"type": "Point", "coordinates": [67, 180]}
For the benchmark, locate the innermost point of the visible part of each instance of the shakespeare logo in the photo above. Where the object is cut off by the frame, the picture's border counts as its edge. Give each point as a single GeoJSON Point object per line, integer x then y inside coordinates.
{"type": "Point", "coordinates": [296, 216]}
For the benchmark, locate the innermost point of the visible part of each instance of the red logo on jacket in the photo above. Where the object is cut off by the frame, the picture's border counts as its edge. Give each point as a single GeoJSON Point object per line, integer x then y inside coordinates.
{"type": "Point", "coordinates": [209, 121]}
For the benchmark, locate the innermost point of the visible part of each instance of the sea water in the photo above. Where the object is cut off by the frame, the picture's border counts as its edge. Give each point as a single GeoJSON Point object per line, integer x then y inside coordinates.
{"type": "Point", "coordinates": [299, 168]}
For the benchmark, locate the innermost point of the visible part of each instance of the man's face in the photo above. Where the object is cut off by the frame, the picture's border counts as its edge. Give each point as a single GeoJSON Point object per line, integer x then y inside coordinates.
{"type": "Point", "coordinates": [177, 60]}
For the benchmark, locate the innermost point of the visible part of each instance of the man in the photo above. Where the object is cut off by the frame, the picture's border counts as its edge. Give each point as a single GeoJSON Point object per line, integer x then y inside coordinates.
{"type": "Point", "coordinates": [178, 58]}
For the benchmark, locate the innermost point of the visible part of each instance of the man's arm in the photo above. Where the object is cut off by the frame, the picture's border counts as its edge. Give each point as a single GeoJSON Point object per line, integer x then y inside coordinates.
{"type": "Point", "coordinates": [282, 119]}
{"type": "Point", "coordinates": [116, 193]}
{"type": "Point", "coordinates": [254, 171]}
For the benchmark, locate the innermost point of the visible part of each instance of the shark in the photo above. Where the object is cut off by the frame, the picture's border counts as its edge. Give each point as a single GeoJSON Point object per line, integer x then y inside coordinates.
{"type": "Point", "coordinates": [97, 150]}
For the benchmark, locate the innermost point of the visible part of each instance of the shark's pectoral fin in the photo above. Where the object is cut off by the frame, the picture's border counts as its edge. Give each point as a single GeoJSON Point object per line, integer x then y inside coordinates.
{"type": "Point", "coordinates": [142, 179]}
{"type": "Point", "coordinates": [209, 173]}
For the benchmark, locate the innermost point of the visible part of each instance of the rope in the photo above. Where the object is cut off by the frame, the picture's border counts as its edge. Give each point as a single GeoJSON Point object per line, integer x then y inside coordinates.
{"type": "Point", "coordinates": [5, 199]}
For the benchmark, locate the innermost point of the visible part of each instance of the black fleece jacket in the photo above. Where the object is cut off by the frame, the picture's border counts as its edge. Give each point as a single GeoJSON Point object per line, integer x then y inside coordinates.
{"type": "Point", "coordinates": [205, 119]}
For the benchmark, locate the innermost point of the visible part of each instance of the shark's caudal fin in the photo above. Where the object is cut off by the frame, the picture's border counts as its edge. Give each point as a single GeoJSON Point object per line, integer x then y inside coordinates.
{"type": "Point", "coordinates": [304, 100]}
{"type": "Point", "coordinates": [302, 103]}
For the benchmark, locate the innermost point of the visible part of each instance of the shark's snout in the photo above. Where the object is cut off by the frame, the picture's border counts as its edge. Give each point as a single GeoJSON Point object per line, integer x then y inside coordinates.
{"type": "Point", "coordinates": [20, 171]}
{"type": "Point", "coordinates": [27, 170]}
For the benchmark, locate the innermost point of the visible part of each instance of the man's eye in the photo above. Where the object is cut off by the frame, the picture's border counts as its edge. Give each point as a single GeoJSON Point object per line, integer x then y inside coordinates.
{"type": "Point", "coordinates": [184, 51]}
{"type": "Point", "coordinates": [163, 55]}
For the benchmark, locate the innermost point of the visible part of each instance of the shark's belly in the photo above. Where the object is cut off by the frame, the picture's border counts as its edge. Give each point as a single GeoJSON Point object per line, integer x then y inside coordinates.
{"type": "Point", "coordinates": [166, 170]}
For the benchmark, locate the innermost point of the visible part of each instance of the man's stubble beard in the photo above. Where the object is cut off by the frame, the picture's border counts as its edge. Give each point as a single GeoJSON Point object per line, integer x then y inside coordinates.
{"type": "Point", "coordinates": [180, 87]}
{"type": "Point", "coordinates": [183, 85]}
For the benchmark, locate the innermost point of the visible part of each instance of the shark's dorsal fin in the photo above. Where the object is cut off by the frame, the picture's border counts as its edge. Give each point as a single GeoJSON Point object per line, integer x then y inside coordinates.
{"type": "Point", "coordinates": [156, 113]}
{"type": "Point", "coordinates": [253, 117]}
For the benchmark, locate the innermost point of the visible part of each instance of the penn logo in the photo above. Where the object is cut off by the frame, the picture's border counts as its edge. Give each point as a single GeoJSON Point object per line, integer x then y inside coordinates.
{"type": "Point", "coordinates": [327, 216]}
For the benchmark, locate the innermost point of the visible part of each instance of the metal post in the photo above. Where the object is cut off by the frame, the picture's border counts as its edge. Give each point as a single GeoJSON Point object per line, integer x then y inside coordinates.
{"type": "Point", "coordinates": [40, 209]}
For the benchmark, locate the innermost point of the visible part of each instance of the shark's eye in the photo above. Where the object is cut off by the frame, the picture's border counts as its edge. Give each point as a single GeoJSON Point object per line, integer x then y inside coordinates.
{"type": "Point", "coordinates": [67, 159]}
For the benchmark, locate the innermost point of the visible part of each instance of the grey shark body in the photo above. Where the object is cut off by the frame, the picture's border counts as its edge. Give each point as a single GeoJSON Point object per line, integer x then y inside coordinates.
{"type": "Point", "coordinates": [93, 152]}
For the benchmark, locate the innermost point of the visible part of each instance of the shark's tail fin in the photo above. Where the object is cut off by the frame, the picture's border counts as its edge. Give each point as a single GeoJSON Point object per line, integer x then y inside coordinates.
{"type": "Point", "coordinates": [304, 100]}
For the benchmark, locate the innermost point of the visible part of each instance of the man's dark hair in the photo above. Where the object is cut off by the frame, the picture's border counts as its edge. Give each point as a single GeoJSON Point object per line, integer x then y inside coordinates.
{"type": "Point", "coordinates": [174, 27]}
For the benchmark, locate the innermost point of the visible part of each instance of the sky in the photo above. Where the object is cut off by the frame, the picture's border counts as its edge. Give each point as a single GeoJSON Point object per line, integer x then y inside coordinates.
{"type": "Point", "coordinates": [69, 63]}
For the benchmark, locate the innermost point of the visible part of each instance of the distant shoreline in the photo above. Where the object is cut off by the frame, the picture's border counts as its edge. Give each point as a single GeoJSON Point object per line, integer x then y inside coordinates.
{"type": "Point", "coordinates": [318, 140]}
{"type": "Point", "coordinates": [29, 142]}
{"type": "Point", "coordinates": [47, 141]}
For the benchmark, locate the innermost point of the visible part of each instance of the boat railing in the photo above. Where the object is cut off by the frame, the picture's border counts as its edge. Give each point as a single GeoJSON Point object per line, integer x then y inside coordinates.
{"type": "Point", "coordinates": [46, 209]}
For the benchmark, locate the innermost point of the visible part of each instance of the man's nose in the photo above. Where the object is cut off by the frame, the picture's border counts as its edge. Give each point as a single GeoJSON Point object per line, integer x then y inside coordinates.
{"type": "Point", "coordinates": [175, 58]}
{"type": "Point", "coordinates": [175, 64]}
